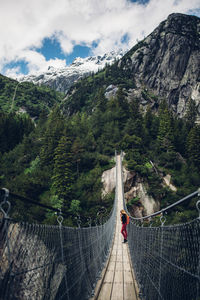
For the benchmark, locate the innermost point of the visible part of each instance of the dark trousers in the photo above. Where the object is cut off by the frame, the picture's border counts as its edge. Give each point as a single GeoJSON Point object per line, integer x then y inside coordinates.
{"type": "Point", "coordinates": [123, 231]}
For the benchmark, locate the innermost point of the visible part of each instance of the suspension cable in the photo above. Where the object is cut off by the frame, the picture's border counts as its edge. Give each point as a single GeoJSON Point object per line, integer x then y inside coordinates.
{"type": "Point", "coordinates": [25, 200]}
{"type": "Point", "coordinates": [170, 206]}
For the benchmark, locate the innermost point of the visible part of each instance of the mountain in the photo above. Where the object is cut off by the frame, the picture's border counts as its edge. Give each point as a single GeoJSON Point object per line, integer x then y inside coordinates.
{"type": "Point", "coordinates": [167, 62]}
{"type": "Point", "coordinates": [59, 159]}
{"type": "Point", "coordinates": [165, 65]}
{"type": "Point", "coordinates": [62, 79]}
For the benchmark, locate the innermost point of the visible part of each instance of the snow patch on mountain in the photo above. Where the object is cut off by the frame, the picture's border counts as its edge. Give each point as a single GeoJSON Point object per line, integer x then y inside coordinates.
{"type": "Point", "coordinates": [62, 79]}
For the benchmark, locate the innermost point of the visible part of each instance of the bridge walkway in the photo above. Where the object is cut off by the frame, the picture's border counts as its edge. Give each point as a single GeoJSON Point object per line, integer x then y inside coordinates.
{"type": "Point", "coordinates": [117, 280]}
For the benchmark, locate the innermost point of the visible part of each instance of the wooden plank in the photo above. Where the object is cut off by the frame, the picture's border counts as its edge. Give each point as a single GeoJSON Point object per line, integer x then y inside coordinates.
{"type": "Point", "coordinates": [129, 292]}
{"type": "Point", "coordinates": [125, 249]}
{"type": "Point", "coordinates": [113, 258]}
{"type": "Point", "coordinates": [118, 282]}
{"type": "Point", "coordinates": [128, 278]}
{"type": "Point", "coordinates": [127, 266]}
{"type": "Point", "coordinates": [111, 266]}
{"type": "Point", "coordinates": [105, 292]}
{"type": "Point", "coordinates": [125, 259]}
{"type": "Point", "coordinates": [125, 253]}
{"type": "Point", "coordinates": [117, 291]}
{"type": "Point", "coordinates": [109, 276]}
{"type": "Point", "coordinates": [119, 266]}
{"type": "Point", "coordinates": [114, 252]}
{"type": "Point", "coordinates": [118, 278]}
{"type": "Point", "coordinates": [120, 251]}
{"type": "Point", "coordinates": [120, 258]}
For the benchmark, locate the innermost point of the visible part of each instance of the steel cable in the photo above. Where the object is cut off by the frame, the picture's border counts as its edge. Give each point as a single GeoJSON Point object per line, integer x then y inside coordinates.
{"type": "Point", "coordinates": [166, 259]}
{"type": "Point", "coordinates": [52, 262]}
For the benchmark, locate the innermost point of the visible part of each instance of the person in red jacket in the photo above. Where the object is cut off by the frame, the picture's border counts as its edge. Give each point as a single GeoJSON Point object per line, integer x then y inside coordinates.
{"type": "Point", "coordinates": [124, 224]}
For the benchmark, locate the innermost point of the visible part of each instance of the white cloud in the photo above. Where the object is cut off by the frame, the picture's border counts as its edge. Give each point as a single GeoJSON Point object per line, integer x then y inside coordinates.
{"type": "Point", "coordinates": [38, 63]}
{"type": "Point", "coordinates": [13, 72]}
{"type": "Point", "coordinates": [24, 25]}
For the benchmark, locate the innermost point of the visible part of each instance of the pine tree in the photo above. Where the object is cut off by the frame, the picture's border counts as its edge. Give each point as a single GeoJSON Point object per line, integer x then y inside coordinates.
{"type": "Point", "coordinates": [180, 135]}
{"type": "Point", "coordinates": [193, 146]}
{"type": "Point", "coordinates": [165, 137]}
{"type": "Point", "coordinates": [62, 172]}
{"type": "Point", "coordinates": [121, 100]}
{"type": "Point", "coordinates": [77, 150]}
{"type": "Point", "coordinates": [101, 100]}
{"type": "Point", "coordinates": [150, 127]}
{"type": "Point", "coordinates": [135, 123]}
{"type": "Point", "coordinates": [191, 114]}
{"type": "Point", "coordinates": [54, 130]}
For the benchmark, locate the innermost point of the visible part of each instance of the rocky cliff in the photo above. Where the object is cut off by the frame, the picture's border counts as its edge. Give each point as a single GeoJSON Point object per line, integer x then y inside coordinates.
{"type": "Point", "coordinates": [133, 187]}
{"type": "Point", "coordinates": [167, 63]}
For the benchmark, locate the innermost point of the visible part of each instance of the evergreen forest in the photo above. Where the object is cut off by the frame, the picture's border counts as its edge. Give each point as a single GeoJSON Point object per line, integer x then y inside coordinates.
{"type": "Point", "coordinates": [56, 149]}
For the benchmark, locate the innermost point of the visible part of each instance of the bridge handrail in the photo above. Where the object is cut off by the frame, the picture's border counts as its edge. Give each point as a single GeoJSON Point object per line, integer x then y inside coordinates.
{"type": "Point", "coordinates": [166, 259]}
{"type": "Point", "coordinates": [43, 261]}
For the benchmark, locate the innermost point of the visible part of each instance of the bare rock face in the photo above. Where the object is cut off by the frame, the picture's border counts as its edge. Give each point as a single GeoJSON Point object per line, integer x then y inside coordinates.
{"type": "Point", "coordinates": [133, 187]}
{"type": "Point", "coordinates": [167, 182]}
{"type": "Point", "coordinates": [109, 181]}
{"type": "Point", "coordinates": [167, 62]}
{"type": "Point", "coordinates": [148, 202]}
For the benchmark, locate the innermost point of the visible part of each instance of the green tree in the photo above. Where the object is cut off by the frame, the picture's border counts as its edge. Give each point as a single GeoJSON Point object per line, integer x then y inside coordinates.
{"type": "Point", "coordinates": [54, 129]}
{"type": "Point", "coordinates": [101, 100]}
{"type": "Point", "coordinates": [180, 135]}
{"type": "Point", "coordinates": [191, 114]}
{"type": "Point", "coordinates": [193, 146]}
{"type": "Point", "coordinates": [77, 151]}
{"type": "Point", "coordinates": [134, 124]}
{"type": "Point", "coordinates": [75, 207]}
{"type": "Point", "coordinates": [131, 142]}
{"type": "Point", "coordinates": [62, 172]}
{"type": "Point", "coordinates": [165, 137]}
{"type": "Point", "coordinates": [151, 124]}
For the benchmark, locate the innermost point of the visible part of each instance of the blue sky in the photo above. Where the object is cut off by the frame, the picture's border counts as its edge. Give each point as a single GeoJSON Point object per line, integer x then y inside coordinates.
{"type": "Point", "coordinates": [51, 49]}
{"type": "Point", "coordinates": [44, 33]}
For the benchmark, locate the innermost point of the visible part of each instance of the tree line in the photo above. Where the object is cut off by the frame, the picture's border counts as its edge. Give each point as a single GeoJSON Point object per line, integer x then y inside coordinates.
{"type": "Point", "coordinates": [60, 161]}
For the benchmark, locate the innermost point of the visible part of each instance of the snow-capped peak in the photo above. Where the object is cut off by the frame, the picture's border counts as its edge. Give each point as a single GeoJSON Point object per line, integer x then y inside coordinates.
{"type": "Point", "coordinates": [61, 79]}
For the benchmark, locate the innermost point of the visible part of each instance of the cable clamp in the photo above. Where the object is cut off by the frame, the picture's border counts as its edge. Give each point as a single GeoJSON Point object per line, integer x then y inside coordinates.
{"type": "Point", "coordinates": [5, 204]}
{"type": "Point", "coordinates": [60, 217]}
{"type": "Point", "coordinates": [162, 220]}
{"type": "Point", "coordinates": [198, 202]}
{"type": "Point", "coordinates": [89, 221]}
{"type": "Point", "coordinates": [6, 195]}
{"type": "Point", "coordinates": [150, 222]}
{"type": "Point", "coordinates": [198, 207]}
{"type": "Point", "coordinates": [78, 220]}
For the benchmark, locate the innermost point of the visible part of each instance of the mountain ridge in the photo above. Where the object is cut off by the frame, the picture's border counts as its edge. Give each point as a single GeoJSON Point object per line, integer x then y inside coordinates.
{"type": "Point", "coordinates": [168, 62]}
{"type": "Point", "coordinates": [61, 79]}
{"type": "Point", "coordinates": [163, 66]}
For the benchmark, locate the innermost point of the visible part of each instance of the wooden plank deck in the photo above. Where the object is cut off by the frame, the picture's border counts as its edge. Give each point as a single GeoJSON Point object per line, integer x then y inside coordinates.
{"type": "Point", "coordinates": [117, 280]}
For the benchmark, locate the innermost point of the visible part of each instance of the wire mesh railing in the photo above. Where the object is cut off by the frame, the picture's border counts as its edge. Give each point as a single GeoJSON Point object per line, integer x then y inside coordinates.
{"type": "Point", "coordinates": [51, 262]}
{"type": "Point", "coordinates": [166, 259]}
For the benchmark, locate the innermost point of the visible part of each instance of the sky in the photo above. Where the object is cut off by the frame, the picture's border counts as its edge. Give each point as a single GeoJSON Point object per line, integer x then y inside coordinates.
{"type": "Point", "coordinates": [41, 33]}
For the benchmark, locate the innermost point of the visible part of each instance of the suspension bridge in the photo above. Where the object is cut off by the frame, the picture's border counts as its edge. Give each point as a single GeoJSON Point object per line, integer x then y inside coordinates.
{"type": "Point", "coordinates": [57, 262]}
